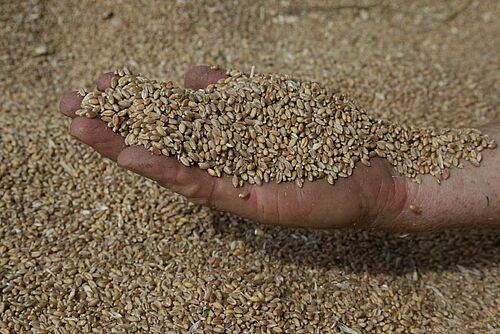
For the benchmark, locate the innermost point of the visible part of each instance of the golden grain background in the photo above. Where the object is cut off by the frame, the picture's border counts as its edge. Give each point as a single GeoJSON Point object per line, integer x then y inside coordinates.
{"type": "Point", "coordinates": [88, 248]}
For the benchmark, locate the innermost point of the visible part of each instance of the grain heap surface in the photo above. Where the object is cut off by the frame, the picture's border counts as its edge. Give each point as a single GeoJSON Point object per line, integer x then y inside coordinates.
{"type": "Point", "coordinates": [88, 248]}
{"type": "Point", "coordinates": [259, 128]}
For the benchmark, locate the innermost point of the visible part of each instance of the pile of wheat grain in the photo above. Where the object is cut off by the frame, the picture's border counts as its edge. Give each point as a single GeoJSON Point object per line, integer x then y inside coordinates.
{"type": "Point", "coordinates": [86, 247]}
{"type": "Point", "coordinates": [261, 128]}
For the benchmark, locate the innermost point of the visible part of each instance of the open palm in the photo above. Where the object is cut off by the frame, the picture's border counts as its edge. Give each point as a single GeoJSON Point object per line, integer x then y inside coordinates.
{"type": "Point", "coordinates": [372, 197]}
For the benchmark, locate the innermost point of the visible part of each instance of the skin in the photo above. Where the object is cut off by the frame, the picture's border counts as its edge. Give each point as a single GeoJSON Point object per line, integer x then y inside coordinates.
{"type": "Point", "coordinates": [373, 197]}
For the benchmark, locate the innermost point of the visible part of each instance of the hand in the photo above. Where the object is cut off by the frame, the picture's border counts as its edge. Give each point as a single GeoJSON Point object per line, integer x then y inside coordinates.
{"type": "Point", "coordinates": [373, 197]}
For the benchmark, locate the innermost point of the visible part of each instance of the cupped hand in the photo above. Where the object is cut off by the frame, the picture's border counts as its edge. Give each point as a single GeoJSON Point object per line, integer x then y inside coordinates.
{"type": "Point", "coordinates": [373, 197]}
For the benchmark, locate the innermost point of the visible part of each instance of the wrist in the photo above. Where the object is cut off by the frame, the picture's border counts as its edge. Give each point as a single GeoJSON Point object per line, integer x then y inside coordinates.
{"type": "Point", "coordinates": [470, 198]}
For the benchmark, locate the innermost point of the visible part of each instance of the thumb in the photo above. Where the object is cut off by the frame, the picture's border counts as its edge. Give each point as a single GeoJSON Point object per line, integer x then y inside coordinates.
{"type": "Point", "coordinates": [201, 76]}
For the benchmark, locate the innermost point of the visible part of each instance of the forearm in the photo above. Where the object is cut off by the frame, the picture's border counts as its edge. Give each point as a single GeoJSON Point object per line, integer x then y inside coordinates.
{"type": "Point", "coordinates": [470, 198]}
